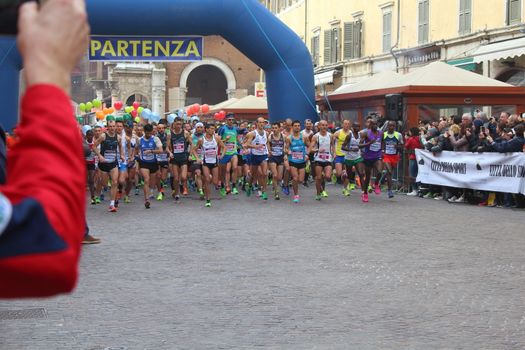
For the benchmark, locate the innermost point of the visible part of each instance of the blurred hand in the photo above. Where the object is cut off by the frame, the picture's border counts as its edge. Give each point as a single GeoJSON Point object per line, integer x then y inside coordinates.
{"type": "Point", "coordinates": [52, 39]}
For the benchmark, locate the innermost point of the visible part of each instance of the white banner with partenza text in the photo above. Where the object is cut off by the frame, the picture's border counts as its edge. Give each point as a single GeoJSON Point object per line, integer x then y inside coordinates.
{"type": "Point", "coordinates": [495, 172]}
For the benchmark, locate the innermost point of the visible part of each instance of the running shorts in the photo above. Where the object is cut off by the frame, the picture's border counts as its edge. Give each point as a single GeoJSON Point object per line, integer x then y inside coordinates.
{"type": "Point", "coordinates": [107, 167]}
{"type": "Point", "coordinates": [279, 160]}
{"type": "Point", "coordinates": [151, 166]}
{"type": "Point", "coordinates": [298, 166]}
{"type": "Point", "coordinates": [257, 160]}
{"type": "Point", "coordinates": [350, 163]}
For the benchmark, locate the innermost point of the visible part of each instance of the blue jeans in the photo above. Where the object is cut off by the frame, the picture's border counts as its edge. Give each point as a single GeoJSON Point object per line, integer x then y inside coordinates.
{"type": "Point", "coordinates": [412, 170]}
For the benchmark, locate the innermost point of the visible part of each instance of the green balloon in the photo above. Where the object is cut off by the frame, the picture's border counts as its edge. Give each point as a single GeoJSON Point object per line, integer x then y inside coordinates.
{"type": "Point", "coordinates": [97, 103]}
{"type": "Point", "coordinates": [109, 118]}
{"type": "Point", "coordinates": [118, 119]}
{"type": "Point", "coordinates": [140, 109]}
{"type": "Point", "coordinates": [128, 109]}
{"type": "Point", "coordinates": [127, 117]}
{"type": "Point", "coordinates": [137, 120]}
{"type": "Point", "coordinates": [89, 106]}
{"type": "Point", "coordinates": [82, 107]}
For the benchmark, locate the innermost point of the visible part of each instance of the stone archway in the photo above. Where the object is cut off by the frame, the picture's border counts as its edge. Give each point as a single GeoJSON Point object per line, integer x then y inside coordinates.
{"type": "Point", "coordinates": [138, 96]}
{"type": "Point", "coordinates": [178, 94]}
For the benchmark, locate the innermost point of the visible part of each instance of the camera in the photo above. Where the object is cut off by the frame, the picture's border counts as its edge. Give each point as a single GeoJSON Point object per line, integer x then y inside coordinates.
{"type": "Point", "coordinates": [9, 16]}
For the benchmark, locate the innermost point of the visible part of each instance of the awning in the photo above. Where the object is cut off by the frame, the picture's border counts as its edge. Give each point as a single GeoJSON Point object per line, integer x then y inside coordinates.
{"type": "Point", "coordinates": [500, 50]}
{"type": "Point", "coordinates": [464, 63]}
{"type": "Point", "coordinates": [324, 77]}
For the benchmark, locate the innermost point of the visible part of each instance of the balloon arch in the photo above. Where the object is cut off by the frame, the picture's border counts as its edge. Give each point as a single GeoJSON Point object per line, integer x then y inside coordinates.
{"type": "Point", "coordinates": [246, 24]}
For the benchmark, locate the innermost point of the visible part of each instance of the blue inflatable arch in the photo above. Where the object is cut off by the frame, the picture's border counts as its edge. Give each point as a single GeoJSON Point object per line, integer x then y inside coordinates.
{"type": "Point", "coordinates": [246, 24]}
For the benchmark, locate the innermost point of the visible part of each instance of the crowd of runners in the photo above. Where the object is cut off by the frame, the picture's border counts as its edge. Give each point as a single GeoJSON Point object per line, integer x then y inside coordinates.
{"type": "Point", "coordinates": [264, 159]}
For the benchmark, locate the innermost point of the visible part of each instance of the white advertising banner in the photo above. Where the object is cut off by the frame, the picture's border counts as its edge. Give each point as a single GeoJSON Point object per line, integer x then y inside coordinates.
{"type": "Point", "coordinates": [496, 172]}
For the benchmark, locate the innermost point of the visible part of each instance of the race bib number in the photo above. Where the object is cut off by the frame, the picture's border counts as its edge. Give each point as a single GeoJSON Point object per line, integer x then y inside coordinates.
{"type": "Point", "coordinates": [375, 147]}
{"type": "Point", "coordinates": [390, 149]}
{"type": "Point", "coordinates": [178, 148]}
{"type": "Point", "coordinates": [211, 156]}
{"type": "Point", "coordinates": [298, 156]}
{"type": "Point", "coordinates": [230, 147]}
{"type": "Point", "coordinates": [324, 156]}
{"type": "Point", "coordinates": [162, 157]}
{"type": "Point", "coordinates": [110, 156]}
{"type": "Point", "coordinates": [148, 156]}
{"type": "Point", "coordinates": [277, 151]}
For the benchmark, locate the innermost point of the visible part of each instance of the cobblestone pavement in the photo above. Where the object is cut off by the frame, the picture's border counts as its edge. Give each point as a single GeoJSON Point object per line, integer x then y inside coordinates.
{"type": "Point", "coordinates": [406, 273]}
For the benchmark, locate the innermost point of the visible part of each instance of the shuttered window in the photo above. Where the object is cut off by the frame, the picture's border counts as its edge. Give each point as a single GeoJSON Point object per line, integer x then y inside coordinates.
{"type": "Point", "coordinates": [465, 16]}
{"type": "Point", "coordinates": [513, 11]}
{"type": "Point", "coordinates": [423, 20]}
{"type": "Point", "coordinates": [387, 31]}
{"type": "Point", "coordinates": [314, 50]}
{"type": "Point", "coordinates": [352, 40]}
{"type": "Point", "coordinates": [327, 54]}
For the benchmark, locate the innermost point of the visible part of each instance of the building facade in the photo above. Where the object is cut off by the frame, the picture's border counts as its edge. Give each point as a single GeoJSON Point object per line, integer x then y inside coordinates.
{"type": "Point", "coordinates": [223, 73]}
{"type": "Point", "coordinates": [353, 39]}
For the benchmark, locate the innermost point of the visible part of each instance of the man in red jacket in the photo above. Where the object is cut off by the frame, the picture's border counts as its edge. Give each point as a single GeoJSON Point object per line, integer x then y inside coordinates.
{"type": "Point", "coordinates": [42, 220]}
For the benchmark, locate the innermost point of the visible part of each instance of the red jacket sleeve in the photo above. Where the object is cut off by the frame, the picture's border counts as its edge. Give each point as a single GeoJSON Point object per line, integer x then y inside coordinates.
{"type": "Point", "coordinates": [46, 179]}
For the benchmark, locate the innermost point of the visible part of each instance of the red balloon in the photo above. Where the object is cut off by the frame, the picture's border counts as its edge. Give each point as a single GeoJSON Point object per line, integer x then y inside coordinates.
{"type": "Point", "coordinates": [223, 113]}
{"type": "Point", "coordinates": [217, 116]}
{"type": "Point", "coordinates": [222, 116]}
{"type": "Point", "coordinates": [196, 108]}
{"type": "Point", "coordinates": [118, 105]}
{"type": "Point", "coordinates": [205, 108]}
{"type": "Point", "coordinates": [134, 113]}
{"type": "Point", "coordinates": [189, 111]}
{"type": "Point", "coordinates": [136, 105]}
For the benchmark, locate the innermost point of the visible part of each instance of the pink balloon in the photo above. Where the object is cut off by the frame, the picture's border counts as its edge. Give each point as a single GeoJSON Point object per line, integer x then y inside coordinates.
{"type": "Point", "coordinates": [136, 105]}
{"type": "Point", "coordinates": [134, 113]}
{"type": "Point", "coordinates": [205, 108]}
{"type": "Point", "coordinates": [118, 105]}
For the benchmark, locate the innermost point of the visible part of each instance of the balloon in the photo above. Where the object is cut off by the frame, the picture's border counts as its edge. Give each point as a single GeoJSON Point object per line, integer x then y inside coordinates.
{"type": "Point", "coordinates": [100, 115]}
{"type": "Point", "coordinates": [155, 117]}
{"type": "Point", "coordinates": [134, 113]}
{"type": "Point", "coordinates": [171, 118]}
{"type": "Point", "coordinates": [223, 113]}
{"type": "Point", "coordinates": [118, 105]}
{"type": "Point", "coordinates": [205, 108]}
{"type": "Point", "coordinates": [111, 110]}
{"type": "Point", "coordinates": [119, 119]}
{"type": "Point", "coordinates": [137, 120]}
{"type": "Point", "coordinates": [85, 129]}
{"type": "Point", "coordinates": [126, 117]}
{"type": "Point", "coordinates": [128, 109]}
{"type": "Point", "coordinates": [217, 116]}
{"type": "Point", "coordinates": [136, 105]}
{"type": "Point", "coordinates": [97, 103]}
{"type": "Point", "coordinates": [140, 109]}
{"type": "Point", "coordinates": [146, 113]}
{"type": "Point", "coordinates": [189, 111]}
{"type": "Point", "coordinates": [196, 108]}
{"type": "Point", "coordinates": [82, 107]}
{"type": "Point", "coordinates": [110, 117]}
{"type": "Point", "coordinates": [89, 106]}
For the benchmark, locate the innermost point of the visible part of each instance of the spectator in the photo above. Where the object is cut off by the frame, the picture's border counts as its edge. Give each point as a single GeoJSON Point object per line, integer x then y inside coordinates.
{"type": "Point", "coordinates": [413, 142]}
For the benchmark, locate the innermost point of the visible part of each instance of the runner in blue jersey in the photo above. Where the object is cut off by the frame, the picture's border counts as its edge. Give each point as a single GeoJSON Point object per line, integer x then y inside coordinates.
{"type": "Point", "coordinates": [147, 147]}
{"type": "Point", "coordinates": [297, 148]}
{"type": "Point", "coordinates": [228, 164]}
{"type": "Point", "coordinates": [162, 159]}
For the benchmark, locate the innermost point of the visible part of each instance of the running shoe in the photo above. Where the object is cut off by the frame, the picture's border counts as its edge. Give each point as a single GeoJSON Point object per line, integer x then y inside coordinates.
{"type": "Point", "coordinates": [324, 194]}
{"type": "Point", "coordinates": [160, 196]}
{"type": "Point", "coordinates": [234, 191]}
{"type": "Point", "coordinates": [222, 191]}
{"type": "Point", "coordinates": [102, 197]}
{"type": "Point", "coordinates": [136, 191]}
{"type": "Point", "coordinates": [264, 196]}
{"type": "Point", "coordinates": [177, 197]}
{"type": "Point", "coordinates": [116, 203]}
{"type": "Point", "coordinates": [97, 200]}
{"type": "Point", "coordinates": [88, 239]}
{"type": "Point", "coordinates": [192, 186]}
{"type": "Point", "coordinates": [390, 194]}
{"type": "Point", "coordinates": [248, 189]}
{"type": "Point", "coordinates": [259, 193]}
{"type": "Point", "coordinates": [270, 182]}
{"type": "Point", "coordinates": [346, 192]}
{"type": "Point", "coordinates": [286, 190]}
{"type": "Point", "coordinates": [93, 201]}
{"type": "Point", "coordinates": [147, 204]}
{"type": "Point", "coordinates": [127, 200]}
{"type": "Point", "coordinates": [185, 191]}
{"type": "Point", "coordinates": [413, 193]}
{"type": "Point", "coordinates": [276, 197]}
{"type": "Point", "coordinates": [318, 197]}
{"type": "Point", "coordinates": [351, 187]}
{"type": "Point", "coordinates": [296, 199]}
{"type": "Point", "coordinates": [112, 209]}
{"type": "Point", "coordinates": [208, 204]}
{"type": "Point", "coordinates": [364, 197]}
{"type": "Point", "coordinates": [334, 179]}
{"type": "Point", "coordinates": [201, 194]}
{"type": "Point", "coordinates": [377, 190]}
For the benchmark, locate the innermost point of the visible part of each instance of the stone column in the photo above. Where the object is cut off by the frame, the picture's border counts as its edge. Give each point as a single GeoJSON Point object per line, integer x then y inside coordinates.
{"type": "Point", "coordinates": [158, 90]}
{"type": "Point", "coordinates": [177, 98]}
